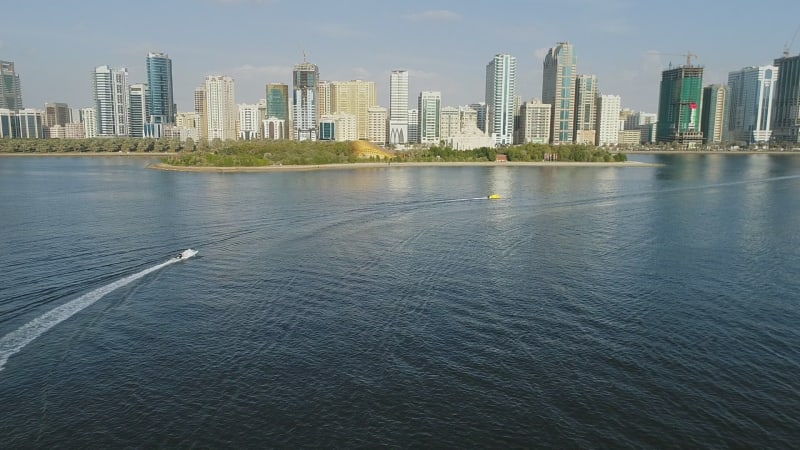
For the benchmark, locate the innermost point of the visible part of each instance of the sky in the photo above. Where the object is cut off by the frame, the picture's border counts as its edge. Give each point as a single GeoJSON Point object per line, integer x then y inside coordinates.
{"type": "Point", "coordinates": [445, 45]}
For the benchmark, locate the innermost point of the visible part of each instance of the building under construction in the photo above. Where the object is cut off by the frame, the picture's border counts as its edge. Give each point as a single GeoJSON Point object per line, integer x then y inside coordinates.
{"type": "Point", "coordinates": [679, 104]}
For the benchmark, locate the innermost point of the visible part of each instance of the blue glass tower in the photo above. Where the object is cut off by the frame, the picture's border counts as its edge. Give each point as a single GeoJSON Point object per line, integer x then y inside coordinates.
{"type": "Point", "coordinates": [160, 98]}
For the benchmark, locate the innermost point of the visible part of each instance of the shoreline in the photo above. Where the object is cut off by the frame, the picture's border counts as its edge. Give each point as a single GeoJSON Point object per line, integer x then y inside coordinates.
{"type": "Point", "coordinates": [78, 154]}
{"type": "Point", "coordinates": [373, 165]}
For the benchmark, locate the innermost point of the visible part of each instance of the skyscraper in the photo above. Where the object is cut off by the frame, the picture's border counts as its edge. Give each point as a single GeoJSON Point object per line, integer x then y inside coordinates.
{"type": "Point", "coordinates": [10, 87]}
{"type": "Point", "coordinates": [278, 106]}
{"type": "Point", "coordinates": [138, 109]}
{"type": "Point", "coordinates": [501, 90]}
{"type": "Point", "coordinates": [160, 101]}
{"type": "Point", "coordinates": [398, 107]}
{"type": "Point", "coordinates": [585, 110]}
{"type": "Point", "coordinates": [112, 101]}
{"type": "Point", "coordinates": [220, 103]}
{"type": "Point", "coordinates": [750, 96]}
{"type": "Point", "coordinates": [304, 101]}
{"type": "Point", "coordinates": [713, 115]}
{"type": "Point", "coordinates": [430, 107]}
{"type": "Point", "coordinates": [679, 104]}
{"type": "Point", "coordinates": [558, 90]}
{"type": "Point", "coordinates": [786, 113]}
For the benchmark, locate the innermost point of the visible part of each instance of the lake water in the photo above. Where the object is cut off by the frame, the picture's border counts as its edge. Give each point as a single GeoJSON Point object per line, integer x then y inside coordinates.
{"type": "Point", "coordinates": [589, 307]}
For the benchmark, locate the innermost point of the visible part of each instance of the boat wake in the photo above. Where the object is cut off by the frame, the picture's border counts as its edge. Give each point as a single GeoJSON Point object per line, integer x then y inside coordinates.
{"type": "Point", "coordinates": [16, 340]}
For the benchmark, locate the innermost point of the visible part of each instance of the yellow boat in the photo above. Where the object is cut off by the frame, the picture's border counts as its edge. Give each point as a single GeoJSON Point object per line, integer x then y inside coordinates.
{"type": "Point", "coordinates": [494, 197]}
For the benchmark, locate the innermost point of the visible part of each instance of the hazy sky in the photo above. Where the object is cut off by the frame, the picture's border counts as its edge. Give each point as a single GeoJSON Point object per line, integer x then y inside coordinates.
{"type": "Point", "coordinates": [445, 45]}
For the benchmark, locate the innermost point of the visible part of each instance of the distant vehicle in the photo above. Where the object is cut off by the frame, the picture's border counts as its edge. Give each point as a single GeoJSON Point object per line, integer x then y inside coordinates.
{"type": "Point", "coordinates": [186, 254]}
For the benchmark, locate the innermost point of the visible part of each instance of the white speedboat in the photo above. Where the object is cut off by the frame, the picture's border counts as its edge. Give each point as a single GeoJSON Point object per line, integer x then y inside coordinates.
{"type": "Point", "coordinates": [186, 254]}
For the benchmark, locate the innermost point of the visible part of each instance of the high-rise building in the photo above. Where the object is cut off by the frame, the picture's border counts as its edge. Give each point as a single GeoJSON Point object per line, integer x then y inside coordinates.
{"type": "Point", "coordinates": [679, 104]}
{"type": "Point", "coordinates": [713, 115]}
{"type": "Point", "coordinates": [608, 125]}
{"type": "Point", "coordinates": [278, 107]}
{"type": "Point", "coordinates": [200, 108]}
{"type": "Point", "coordinates": [633, 120]}
{"type": "Point", "coordinates": [413, 126]}
{"type": "Point", "coordinates": [786, 109]}
{"type": "Point", "coordinates": [24, 123]}
{"type": "Point", "coordinates": [138, 109]}
{"type": "Point", "coordinates": [89, 121]}
{"type": "Point", "coordinates": [398, 107]}
{"type": "Point", "coordinates": [354, 97]}
{"type": "Point", "coordinates": [57, 114]}
{"type": "Point", "coordinates": [430, 108]}
{"type": "Point", "coordinates": [324, 99]}
{"type": "Point", "coordinates": [249, 122]}
{"type": "Point", "coordinates": [449, 123]}
{"type": "Point", "coordinates": [534, 123]}
{"type": "Point", "coordinates": [378, 117]}
{"type": "Point", "coordinates": [304, 101]}
{"type": "Point", "coordinates": [468, 119]}
{"type": "Point", "coordinates": [585, 120]}
{"type": "Point", "coordinates": [160, 102]}
{"type": "Point", "coordinates": [338, 127]}
{"type": "Point", "coordinates": [558, 90]}
{"type": "Point", "coordinates": [10, 87]}
{"type": "Point", "coordinates": [501, 90]}
{"type": "Point", "coordinates": [480, 108]}
{"type": "Point", "coordinates": [750, 97]}
{"type": "Point", "coordinates": [112, 101]}
{"type": "Point", "coordinates": [220, 106]}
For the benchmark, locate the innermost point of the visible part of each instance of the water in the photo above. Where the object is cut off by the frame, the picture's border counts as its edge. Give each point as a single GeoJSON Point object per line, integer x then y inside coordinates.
{"type": "Point", "coordinates": [590, 307]}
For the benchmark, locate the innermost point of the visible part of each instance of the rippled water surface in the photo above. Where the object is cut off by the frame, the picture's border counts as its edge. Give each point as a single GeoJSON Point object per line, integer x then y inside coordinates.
{"type": "Point", "coordinates": [589, 307]}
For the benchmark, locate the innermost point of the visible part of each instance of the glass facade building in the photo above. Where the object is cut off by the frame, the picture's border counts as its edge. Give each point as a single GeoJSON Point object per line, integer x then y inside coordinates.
{"type": "Point", "coordinates": [160, 101]}
{"type": "Point", "coordinates": [680, 101]}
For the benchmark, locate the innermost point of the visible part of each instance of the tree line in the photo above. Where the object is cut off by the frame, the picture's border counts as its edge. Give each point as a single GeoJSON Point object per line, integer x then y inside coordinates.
{"type": "Point", "coordinates": [264, 153]}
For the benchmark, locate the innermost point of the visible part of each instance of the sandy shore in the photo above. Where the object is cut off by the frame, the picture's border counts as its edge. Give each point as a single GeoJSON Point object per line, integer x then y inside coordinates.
{"type": "Point", "coordinates": [162, 166]}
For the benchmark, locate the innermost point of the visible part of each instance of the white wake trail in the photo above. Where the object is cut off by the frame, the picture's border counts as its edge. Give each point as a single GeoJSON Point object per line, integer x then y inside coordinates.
{"type": "Point", "coordinates": [14, 341]}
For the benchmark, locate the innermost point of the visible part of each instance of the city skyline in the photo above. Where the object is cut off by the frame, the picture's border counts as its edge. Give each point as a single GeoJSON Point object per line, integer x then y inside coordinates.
{"type": "Point", "coordinates": [445, 46]}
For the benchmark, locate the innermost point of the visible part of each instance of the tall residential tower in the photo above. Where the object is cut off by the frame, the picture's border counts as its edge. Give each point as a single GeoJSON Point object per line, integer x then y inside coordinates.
{"type": "Point", "coordinates": [501, 90]}
{"type": "Point", "coordinates": [160, 102]}
{"type": "Point", "coordinates": [220, 108]}
{"type": "Point", "coordinates": [304, 101]}
{"type": "Point", "coordinates": [10, 87]}
{"type": "Point", "coordinates": [112, 101]}
{"type": "Point", "coordinates": [558, 90]}
{"type": "Point", "coordinates": [398, 107]}
{"type": "Point", "coordinates": [430, 110]}
{"type": "Point", "coordinates": [585, 95]}
{"type": "Point", "coordinates": [278, 107]}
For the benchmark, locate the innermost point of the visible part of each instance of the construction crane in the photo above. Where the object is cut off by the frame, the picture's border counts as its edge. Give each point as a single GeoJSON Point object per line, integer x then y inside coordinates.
{"type": "Point", "coordinates": [788, 46]}
{"type": "Point", "coordinates": [688, 55]}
